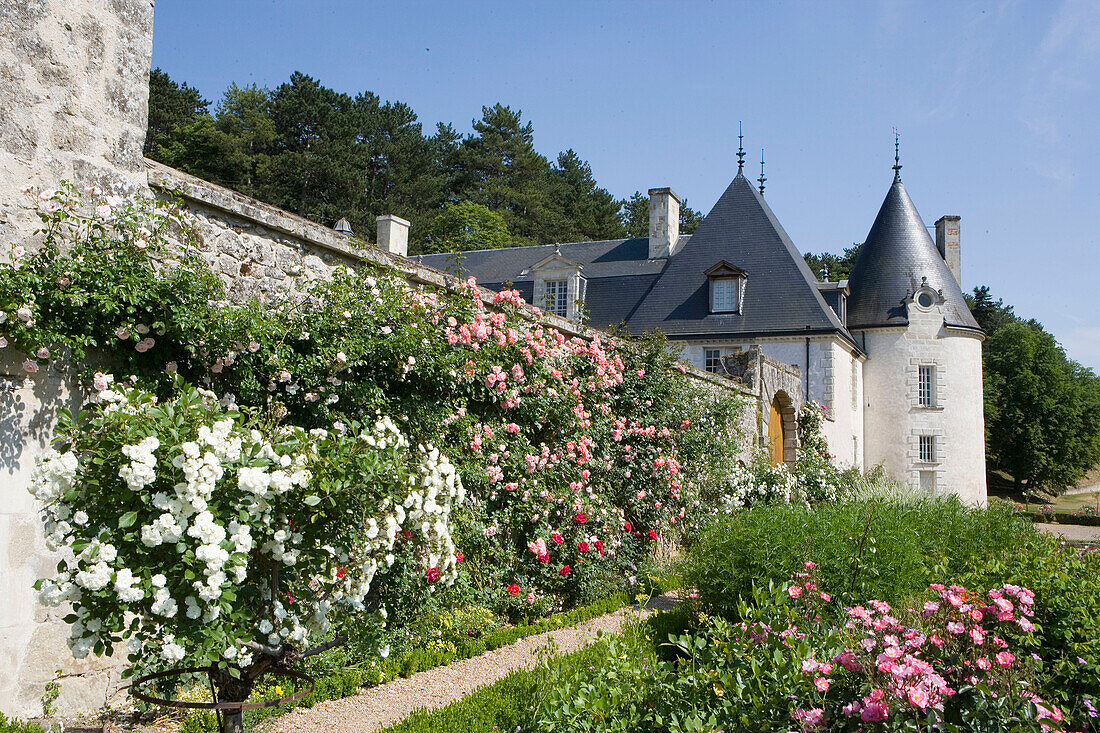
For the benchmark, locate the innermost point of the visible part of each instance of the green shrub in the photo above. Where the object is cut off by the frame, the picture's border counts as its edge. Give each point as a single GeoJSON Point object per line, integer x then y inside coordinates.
{"type": "Point", "coordinates": [884, 549]}
{"type": "Point", "coordinates": [1066, 583]}
{"type": "Point", "coordinates": [11, 725]}
{"type": "Point", "coordinates": [506, 705]}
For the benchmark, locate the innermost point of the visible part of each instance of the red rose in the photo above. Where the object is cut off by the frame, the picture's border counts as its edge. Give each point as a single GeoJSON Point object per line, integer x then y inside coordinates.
{"type": "Point", "coordinates": [583, 547]}
{"type": "Point", "coordinates": [580, 518]}
{"type": "Point", "coordinates": [627, 527]}
{"type": "Point", "coordinates": [564, 571]}
{"type": "Point", "coordinates": [599, 546]}
{"type": "Point", "coordinates": [556, 538]}
{"type": "Point", "coordinates": [652, 534]}
{"type": "Point", "coordinates": [340, 573]}
{"type": "Point", "coordinates": [432, 575]}
{"type": "Point", "coordinates": [459, 557]}
{"type": "Point", "coordinates": [513, 590]}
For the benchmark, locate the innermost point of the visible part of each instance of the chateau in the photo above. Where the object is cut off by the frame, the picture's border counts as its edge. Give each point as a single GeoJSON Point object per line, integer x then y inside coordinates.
{"type": "Point", "coordinates": [893, 353]}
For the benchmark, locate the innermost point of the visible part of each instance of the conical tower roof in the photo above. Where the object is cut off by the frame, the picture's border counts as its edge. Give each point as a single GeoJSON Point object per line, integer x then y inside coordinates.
{"type": "Point", "coordinates": [895, 257]}
{"type": "Point", "coordinates": [781, 294]}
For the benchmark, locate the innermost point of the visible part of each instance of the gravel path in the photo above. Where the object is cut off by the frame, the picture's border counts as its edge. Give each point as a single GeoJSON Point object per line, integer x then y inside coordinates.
{"type": "Point", "coordinates": [1075, 532]}
{"type": "Point", "coordinates": [380, 706]}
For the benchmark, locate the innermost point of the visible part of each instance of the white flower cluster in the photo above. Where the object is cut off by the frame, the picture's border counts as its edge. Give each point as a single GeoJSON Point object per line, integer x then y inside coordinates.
{"type": "Point", "coordinates": [226, 500]}
{"type": "Point", "coordinates": [53, 475]}
{"type": "Point", "coordinates": [141, 471]}
{"type": "Point", "coordinates": [762, 482]}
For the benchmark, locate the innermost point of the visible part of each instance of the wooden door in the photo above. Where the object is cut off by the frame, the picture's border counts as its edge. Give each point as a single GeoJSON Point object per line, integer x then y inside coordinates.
{"type": "Point", "coordinates": [775, 434]}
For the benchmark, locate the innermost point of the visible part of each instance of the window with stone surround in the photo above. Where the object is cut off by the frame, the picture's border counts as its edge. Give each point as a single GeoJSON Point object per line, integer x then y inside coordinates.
{"type": "Point", "coordinates": [727, 287]}
{"type": "Point", "coordinates": [712, 360]}
{"type": "Point", "coordinates": [928, 480]}
{"type": "Point", "coordinates": [556, 299]}
{"type": "Point", "coordinates": [926, 385]}
{"type": "Point", "coordinates": [927, 449]}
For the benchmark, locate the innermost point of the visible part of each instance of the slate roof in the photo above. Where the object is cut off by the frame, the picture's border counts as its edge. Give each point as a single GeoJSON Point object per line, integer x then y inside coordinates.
{"type": "Point", "coordinates": [781, 293]}
{"type": "Point", "coordinates": [619, 272]}
{"type": "Point", "coordinates": [897, 253]}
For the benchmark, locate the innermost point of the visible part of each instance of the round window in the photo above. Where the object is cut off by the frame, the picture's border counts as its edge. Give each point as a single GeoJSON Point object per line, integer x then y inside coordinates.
{"type": "Point", "coordinates": [925, 300]}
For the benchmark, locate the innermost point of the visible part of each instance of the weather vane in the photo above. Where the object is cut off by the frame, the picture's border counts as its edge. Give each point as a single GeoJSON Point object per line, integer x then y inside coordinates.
{"type": "Point", "coordinates": [740, 149]}
{"type": "Point", "coordinates": [897, 156]}
{"type": "Point", "coordinates": [762, 178]}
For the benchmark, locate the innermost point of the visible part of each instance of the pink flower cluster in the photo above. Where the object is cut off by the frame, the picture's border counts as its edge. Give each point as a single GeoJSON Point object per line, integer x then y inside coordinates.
{"type": "Point", "coordinates": [909, 667]}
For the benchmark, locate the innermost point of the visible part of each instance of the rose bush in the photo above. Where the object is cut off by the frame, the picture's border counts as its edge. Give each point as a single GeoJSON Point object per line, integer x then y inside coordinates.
{"type": "Point", "coordinates": [189, 530]}
{"type": "Point", "coordinates": [788, 663]}
{"type": "Point", "coordinates": [588, 449]}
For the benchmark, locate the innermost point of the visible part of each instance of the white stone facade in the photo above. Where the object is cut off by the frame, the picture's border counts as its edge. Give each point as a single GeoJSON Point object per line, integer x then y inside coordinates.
{"type": "Point", "coordinates": [954, 421]}
{"type": "Point", "coordinates": [832, 375]}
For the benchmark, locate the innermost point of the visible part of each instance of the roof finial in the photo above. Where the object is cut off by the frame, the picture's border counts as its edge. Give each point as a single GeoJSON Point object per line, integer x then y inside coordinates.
{"type": "Point", "coordinates": [897, 156]}
{"type": "Point", "coordinates": [762, 177]}
{"type": "Point", "coordinates": [740, 149]}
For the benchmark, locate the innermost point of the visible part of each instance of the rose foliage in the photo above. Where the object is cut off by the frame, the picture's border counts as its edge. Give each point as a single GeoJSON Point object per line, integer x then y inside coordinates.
{"type": "Point", "coordinates": [576, 454]}
{"type": "Point", "coordinates": [788, 664]}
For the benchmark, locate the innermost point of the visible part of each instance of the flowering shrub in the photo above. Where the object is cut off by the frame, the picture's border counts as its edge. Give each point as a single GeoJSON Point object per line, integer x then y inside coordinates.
{"type": "Point", "coordinates": [813, 478]}
{"type": "Point", "coordinates": [189, 530]}
{"type": "Point", "coordinates": [589, 450]}
{"type": "Point", "coordinates": [788, 664]}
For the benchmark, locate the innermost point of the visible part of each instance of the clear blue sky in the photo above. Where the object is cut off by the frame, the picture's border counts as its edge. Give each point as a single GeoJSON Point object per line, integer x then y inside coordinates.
{"type": "Point", "coordinates": [998, 104]}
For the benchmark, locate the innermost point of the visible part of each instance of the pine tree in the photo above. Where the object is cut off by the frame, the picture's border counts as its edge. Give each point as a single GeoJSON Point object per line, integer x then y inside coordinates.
{"type": "Point", "coordinates": [584, 210]}
{"type": "Point", "coordinates": [312, 172]}
{"type": "Point", "coordinates": [171, 106]}
{"type": "Point", "coordinates": [500, 169]}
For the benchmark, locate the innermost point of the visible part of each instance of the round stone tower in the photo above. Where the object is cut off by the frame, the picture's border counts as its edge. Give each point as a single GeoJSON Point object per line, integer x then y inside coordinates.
{"type": "Point", "coordinates": [923, 414]}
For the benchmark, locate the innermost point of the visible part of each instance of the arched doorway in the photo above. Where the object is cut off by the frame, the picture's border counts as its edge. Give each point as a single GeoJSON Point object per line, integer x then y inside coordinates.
{"type": "Point", "coordinates": [782, 434]}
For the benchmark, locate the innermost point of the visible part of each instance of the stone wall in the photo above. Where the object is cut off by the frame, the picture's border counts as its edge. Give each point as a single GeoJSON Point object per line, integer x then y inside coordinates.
{"type": "Point", "coordinates": [73, 100]}
{"type": "Point", "coordinates": [261, 252]}
{"type": "Point", "coordinates": [74, 89]}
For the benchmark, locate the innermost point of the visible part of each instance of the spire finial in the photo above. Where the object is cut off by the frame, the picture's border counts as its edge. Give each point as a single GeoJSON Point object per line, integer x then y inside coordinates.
{"type": "Point", "coordinates": [897, 156]}
{"type": "Point", "coordinates": [762, 177]}
{"type": "Point", "coordinates": [740, 149]}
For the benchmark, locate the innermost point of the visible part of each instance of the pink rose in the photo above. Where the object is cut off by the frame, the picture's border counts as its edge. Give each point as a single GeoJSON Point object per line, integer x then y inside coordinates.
{"type": "Point", "coordinates": [30, 367]}
{"type": "Point", "coordinates": [43, 353]}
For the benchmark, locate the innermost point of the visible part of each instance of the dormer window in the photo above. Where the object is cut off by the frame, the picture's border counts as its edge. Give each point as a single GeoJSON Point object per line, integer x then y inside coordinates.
{"type": "Point", "coordinates": [727, 287]}
{"type": "Point", "coordinates": [559, 286]}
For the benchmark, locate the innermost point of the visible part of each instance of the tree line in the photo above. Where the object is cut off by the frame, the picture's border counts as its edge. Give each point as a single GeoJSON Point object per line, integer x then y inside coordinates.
{"type": "Point", "coordinates": [327, 155]}
{"type": "Point", "coordinates": [1042, 409]}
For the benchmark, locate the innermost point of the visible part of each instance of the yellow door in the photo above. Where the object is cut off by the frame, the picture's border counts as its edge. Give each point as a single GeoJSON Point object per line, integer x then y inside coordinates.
{"type": "Point", "coordinates": [775, 434]}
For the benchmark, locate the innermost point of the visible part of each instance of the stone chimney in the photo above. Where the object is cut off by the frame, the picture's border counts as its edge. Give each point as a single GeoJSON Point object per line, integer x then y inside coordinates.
{"type": "Point", "coordinates": [947, 241]}
{"type": "Point", "coordinates": [393, 235]}
{"type": "Point", "coordinates": [664, 222]}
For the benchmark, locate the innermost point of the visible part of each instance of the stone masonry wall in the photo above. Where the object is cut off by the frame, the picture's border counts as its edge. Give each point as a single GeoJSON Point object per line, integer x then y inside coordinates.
{"type": "Point", "coordinates": [74, 90]}
{"type": "Point", "coordinates": [73, 103]}
{"type": "Point", "coordinates": [261, 252]}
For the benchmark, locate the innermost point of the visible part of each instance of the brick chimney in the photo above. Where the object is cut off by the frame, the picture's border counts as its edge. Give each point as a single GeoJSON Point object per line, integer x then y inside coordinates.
{"type": "Point", "coordinates": [393, 235]}
{"type": "Point", "coordinates": [947, 241]}
{"type": "Point", "coordinates": [664, 222]}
